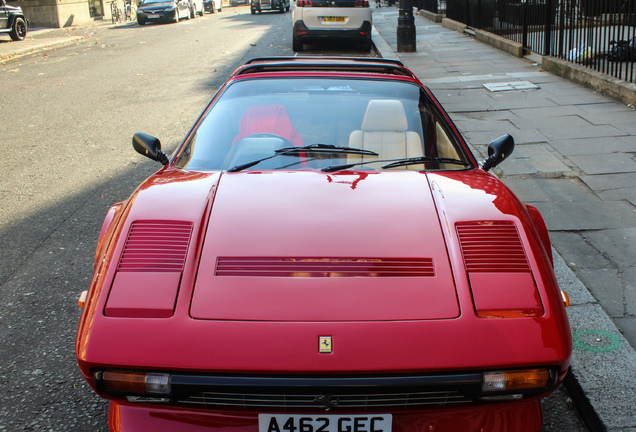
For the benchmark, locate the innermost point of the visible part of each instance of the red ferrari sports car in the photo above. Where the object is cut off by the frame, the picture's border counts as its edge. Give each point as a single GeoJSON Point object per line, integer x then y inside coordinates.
{"type": "Point", "coordinates": [323, 253]}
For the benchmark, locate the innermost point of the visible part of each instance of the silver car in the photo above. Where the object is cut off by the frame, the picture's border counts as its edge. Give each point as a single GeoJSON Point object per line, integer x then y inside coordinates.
{"type": "Point", "coordinates": [331, 20]}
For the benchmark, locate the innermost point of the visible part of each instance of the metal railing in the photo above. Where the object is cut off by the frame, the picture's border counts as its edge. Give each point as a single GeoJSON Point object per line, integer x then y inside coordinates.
{"type": "Point", "coordinates": [599, 34]}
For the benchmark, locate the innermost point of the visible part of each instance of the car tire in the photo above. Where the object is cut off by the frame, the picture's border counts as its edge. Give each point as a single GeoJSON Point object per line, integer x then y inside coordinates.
{"type": "Point", "coordinates": [141, 22]}
{"type": "Point", "coordinates": [281, 7]}
{"type": "Point", "coordinates": [297, 45]}
{"type": "Point", "coordinates": [252, 10]}
{"type": "Point", "coordinates": [18, 29]}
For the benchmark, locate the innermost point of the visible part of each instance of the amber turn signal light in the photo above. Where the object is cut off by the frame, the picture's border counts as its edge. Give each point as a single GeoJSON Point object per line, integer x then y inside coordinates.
{"type": "Point", "coordinates": [82, 299]}
{"type": "Point", "coordinates": [525, 379]}
{"type": "Point", "coordinates": [136, 382]}
{"type": "Point", "coordinates": [566, 298]}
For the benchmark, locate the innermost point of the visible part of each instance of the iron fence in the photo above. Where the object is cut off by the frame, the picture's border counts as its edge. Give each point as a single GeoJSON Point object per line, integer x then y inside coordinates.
{"type": "Point", "coordinates": [600, 34]}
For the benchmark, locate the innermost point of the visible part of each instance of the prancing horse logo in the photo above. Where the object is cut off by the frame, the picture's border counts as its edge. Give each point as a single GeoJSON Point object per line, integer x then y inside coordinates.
{"type": "Point", "coordinates": [324, 344]}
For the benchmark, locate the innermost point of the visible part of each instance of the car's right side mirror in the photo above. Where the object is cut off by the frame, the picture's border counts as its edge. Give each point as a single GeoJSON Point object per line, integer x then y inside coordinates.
{"type": "Point", "coordinates": [498, 151]}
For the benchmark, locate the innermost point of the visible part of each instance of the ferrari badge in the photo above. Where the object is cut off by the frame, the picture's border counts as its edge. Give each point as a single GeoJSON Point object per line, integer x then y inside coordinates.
{"type": "Point", "coordinates": [325, 345]}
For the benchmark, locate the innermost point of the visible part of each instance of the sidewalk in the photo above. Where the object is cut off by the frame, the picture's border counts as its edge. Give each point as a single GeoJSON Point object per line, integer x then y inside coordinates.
{"type": "Point", "coordinates": [41, 39]}
{"type": "Point", "coordinates": [574, 161]}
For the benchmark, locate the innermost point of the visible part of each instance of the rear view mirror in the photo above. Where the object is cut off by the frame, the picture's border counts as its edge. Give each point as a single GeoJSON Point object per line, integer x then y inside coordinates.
{"type": "Point", "coordinates": [150, 147]}
{"type": "Point", "coordinates": [498, 151]}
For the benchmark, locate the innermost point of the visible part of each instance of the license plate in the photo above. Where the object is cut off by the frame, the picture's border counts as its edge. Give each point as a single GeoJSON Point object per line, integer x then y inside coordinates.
{"type": "Point", "coordinates": [333, 19]}
{"type": "Point", "coordinates": [151, 16]}
{"type": "Point", "coordinates": [324, 423]}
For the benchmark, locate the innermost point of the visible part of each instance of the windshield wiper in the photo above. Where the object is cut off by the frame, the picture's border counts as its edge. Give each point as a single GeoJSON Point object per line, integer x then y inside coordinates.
{"type": "Point", "coordinates": [424, 159]}
{"type": "Point", "coordinates": [396, 163]}
{"type": "Point", "coordinates": [312, 148]}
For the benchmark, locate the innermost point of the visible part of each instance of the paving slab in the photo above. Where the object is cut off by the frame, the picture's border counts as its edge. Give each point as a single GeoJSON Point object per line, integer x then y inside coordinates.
{"type": "Point", "coordinates": [619, 244]}
{"type": "Point", "coordinates": [577, 252]}
{"type": "Point", "coordinates": [592, 146]}
{"type": "Point", "coordinates": [534, 159]}
{"type": "Point", "coordinates": [606, 287]}
{"type": "Point", "coordinates": [601, 183]}
{"type": "Point", "coordinates": [610, 163]}
{"type": "Point", "coordinates": [532, 190]}
{"type": "Point", "coordinates": [585, 216]}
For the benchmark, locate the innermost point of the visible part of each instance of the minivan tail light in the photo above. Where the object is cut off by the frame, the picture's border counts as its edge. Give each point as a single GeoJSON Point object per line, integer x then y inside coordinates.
{"type": "Point", "coordinates": [305, 3]}
{"type": "Point", "coordinates": [361, 3]}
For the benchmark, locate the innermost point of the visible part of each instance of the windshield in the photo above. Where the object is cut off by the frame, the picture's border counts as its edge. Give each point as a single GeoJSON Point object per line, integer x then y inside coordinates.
{"type": "Point", "coordinates": [338, 122]}
{"type": "Point", "coordinates": [147, 2]}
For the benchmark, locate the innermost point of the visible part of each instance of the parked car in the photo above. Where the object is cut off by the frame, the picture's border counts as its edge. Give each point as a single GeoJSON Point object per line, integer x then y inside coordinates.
{"type": "Point", "coordinates": [13, 22]}
{"type": "Point", "coordinates": [212, 5]}
{"type": "Point", "coordinates": [261, 5]}
{"type": "Point", "coordinates": [314, 20]}
{"type": "Point", "coordinates": [196, 8]}
{"type": "Point", "coordinates": [163, 10]}
{"type": "Point", "coordinates": [323, 253]}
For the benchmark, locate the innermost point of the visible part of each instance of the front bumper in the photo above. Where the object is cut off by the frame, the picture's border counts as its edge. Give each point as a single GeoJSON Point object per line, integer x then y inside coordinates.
{"type": "Point", "coordinates": [161, 15]}
{"type": "Point", "coordinates": [519, 416]}
{"type": "Point", "coordinates": [304, 34]}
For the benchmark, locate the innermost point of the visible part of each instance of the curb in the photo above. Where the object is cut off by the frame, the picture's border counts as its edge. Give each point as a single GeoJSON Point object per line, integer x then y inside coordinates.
{"type": "Point", "coordinates": [36, 47]}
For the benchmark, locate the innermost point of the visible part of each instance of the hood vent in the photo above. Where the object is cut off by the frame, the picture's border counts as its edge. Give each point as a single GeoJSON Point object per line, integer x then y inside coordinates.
{"type": "Point", "coordinates": [493, 247]}
{"type": "Point", "coordinates": [324, 267]}
{"type": "Point", "coordinates": [156, 246]}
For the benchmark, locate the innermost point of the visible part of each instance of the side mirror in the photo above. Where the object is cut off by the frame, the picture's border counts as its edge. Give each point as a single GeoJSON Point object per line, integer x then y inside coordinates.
{"type": "Point", "coordinates": [498, 151]}
{"type": "Point", "coordinates": [150, 147]}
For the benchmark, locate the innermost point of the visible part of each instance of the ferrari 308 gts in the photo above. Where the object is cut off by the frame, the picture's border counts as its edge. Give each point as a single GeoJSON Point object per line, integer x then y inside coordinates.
{"type": "Point", "coordinates": [323, 253]}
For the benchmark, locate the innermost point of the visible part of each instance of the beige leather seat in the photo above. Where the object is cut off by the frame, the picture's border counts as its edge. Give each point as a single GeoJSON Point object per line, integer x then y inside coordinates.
{"type": "Point", "coordinates": [384, 131]}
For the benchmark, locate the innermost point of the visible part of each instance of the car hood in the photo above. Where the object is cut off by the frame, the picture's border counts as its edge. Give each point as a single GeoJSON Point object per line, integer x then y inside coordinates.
{"type": "Point", "coordinates": [263, 264]}
{"type": "Point", "coordinates": [309, 246]}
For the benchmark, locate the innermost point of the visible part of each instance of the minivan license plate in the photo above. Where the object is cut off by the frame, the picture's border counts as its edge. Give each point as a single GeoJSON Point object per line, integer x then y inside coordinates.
{"type": "Point", "coordinates": [333, 19]}
{"type": "Point", "coordinates": [324, 423]}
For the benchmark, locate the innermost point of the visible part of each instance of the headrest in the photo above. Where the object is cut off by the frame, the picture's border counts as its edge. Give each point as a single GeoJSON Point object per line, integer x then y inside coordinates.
{"type": "Point", "coordinates": [385, 115]}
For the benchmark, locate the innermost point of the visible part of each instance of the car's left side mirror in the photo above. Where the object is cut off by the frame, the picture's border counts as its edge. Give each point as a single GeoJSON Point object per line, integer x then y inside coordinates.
{"type": "Point", "coordinates": [150, 147]}
{"type": "Point", "coordinates": [498, 151]}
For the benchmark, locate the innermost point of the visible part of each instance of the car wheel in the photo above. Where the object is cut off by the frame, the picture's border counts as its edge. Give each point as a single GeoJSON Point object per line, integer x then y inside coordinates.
{"type": "Point", "coordinates": [141, 22]}
{"type": "Point", "coordinates": [281, 7]}
{"type": "Point", "coordinates": [18, 29]}
{"type": "Point", "coordinates": [297, 45]}
{"type": "Point", "coordinates": [252, 10]}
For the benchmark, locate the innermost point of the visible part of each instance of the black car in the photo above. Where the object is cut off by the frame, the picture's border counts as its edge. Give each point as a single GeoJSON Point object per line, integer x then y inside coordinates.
{"type": "Point", "coordinates": [261, 5]}
{"type": "Point", "coordinates": [13, 21]}
{"type": "Point", "coordinates": [163, 10]}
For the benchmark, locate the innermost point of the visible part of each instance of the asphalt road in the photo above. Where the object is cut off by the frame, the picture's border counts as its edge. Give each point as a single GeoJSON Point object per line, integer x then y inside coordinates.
{"type": "Point", "coordinates": [68, 118]}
